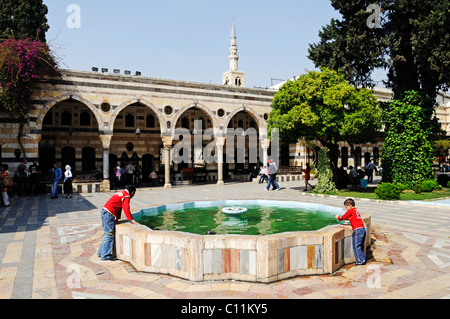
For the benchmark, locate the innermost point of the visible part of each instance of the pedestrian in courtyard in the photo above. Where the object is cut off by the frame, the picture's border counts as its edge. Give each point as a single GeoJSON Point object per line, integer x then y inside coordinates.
{"type": "Point", "coordinates": [263, 175]}
{"type": "Point", "coordinates": [130, 173]}
{"type": "Point", "coordinates": [153, 178]}
{"type": "Point", "coordinates": [21, 179]}
{"type": "Point", "coordinates": [56, 174]}
{"type": "Point", "coordinates": [5, 182]}
{"type": "Point", "coordinates": [123, 176]}
{"type": "Point", "coordinates": [137, 174]}
{"type": "Point", "coordinates": [68, 189]}
{"type": "Point", "coordinates": [359, 231]}
{"type": "Point", "coordinates": [307, 172]}
{"type": "Point", "coordinates": [272, 171]}
{"type": "Point", "coordinates": [34, 179]}
{"type": "Point", "coordinates": [370, 167]}
{"type": "Point", "coordinates": [354, 177]}
{"type": "Point", "coordinates": [111, 214]}
{"type": "Point", "coordinates": [117, 178]}
{"type": "Point", "coordinates": [253, 173]}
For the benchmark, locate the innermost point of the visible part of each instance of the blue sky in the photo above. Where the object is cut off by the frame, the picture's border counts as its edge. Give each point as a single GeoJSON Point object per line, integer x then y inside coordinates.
{"type": "Point", "coordinates": [189, 40]}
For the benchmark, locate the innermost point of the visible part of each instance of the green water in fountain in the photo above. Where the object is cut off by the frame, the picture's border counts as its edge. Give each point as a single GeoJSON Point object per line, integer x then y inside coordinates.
{"type": "Point", "coordinates": [258, 220]}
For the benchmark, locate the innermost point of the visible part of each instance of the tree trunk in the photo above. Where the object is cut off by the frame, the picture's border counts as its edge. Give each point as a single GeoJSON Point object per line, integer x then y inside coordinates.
{"type": "Point", "coordinates": [19, 135]}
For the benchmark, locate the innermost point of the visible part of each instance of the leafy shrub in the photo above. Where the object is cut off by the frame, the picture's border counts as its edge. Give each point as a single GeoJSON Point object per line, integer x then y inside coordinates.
{"type": "Point", "coordinates": [388, 191]}
{"type": "Point", "coordinates": [431, 185]}
{"type": "Point", "coordinates": [407, 149]}
{"type": "Point", "coordinates": [401, 186]}
{"type": "Point", "coordinates": [418, 188]}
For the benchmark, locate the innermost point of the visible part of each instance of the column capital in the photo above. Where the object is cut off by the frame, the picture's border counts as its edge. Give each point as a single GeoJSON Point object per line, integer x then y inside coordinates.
{"type": "Point", "coordinates": [167, 141]}
{"type": "Point", "coordinates": [265, 143]}
{"type": "Point", "coordinates": [220, 141]}
{"type": "Point", "coordinates": [106, 140]}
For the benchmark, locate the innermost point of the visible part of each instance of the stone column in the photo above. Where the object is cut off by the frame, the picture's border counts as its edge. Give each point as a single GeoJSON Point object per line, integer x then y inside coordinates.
{"type": "Point", "coordinates": [106, 143]}
{"type": "Point", "coordinates": [265, 142]}
{"type": "Point", "coordinates": [167, 142]}
{"type": "Point", "coordinates": [220, 143]}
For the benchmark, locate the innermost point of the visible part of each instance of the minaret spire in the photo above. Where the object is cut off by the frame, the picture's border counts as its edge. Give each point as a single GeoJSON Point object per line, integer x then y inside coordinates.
{"type": "Point", "coordinates": [233, 29]}
{"type": "Point", "coordinates": [234, 77]}
{"type": "Point", "coordinates": [234, 57]}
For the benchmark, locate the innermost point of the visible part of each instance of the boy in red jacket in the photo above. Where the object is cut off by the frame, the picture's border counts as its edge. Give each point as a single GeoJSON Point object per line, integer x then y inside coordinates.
{"type": "Point", "coordinates": [359, 232]}
{"type": "Point", "coordinates": [111, 213]}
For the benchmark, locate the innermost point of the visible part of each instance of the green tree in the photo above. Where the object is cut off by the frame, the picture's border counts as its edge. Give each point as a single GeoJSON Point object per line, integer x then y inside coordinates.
{"type": "Point", "coordinates": [407, 150]}
{"type": "Point", "coordinates": [324, 106]}
{"type": "Point", "coordinates": [23, 19]}
{"type": "Point", "coordinates": [412, 44]}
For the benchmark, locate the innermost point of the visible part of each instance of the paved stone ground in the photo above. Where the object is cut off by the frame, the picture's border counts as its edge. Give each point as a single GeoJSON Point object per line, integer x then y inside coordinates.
{"type": "Point", "coordinates": [48, 251]}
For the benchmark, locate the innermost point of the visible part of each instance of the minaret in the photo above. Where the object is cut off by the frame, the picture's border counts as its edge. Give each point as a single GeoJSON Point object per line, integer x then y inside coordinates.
{"type": "Point", "coordinates": [234, 77]}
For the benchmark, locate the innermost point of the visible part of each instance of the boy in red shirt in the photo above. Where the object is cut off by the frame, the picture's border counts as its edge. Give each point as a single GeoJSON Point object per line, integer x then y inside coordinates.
{"type": "Point", "coordinates": [359, 232]}
{"type": "Point", "coordinates": [111, 213]}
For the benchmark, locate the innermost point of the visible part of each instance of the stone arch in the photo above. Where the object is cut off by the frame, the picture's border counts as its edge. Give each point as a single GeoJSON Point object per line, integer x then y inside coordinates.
{"type": "Point", "coordinates": [201, 107]}
{"type": "Point", "coordinates": [159, 115]}
{"type": "Point", "coordinates": [262, 125]}
{"type": "Point", "coordinates": [61, 98]}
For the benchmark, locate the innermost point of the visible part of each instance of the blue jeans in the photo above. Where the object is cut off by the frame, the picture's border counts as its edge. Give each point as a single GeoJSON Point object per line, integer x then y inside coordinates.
{"type": "Point", "coordinates": [105, 251]}
{"type": "Point", "coordinates": [359, 239]}
{"type": "Point", "coordinates": [262, 178]}
{"type": "Point", "coordinates": [273, 182]}
{"type": "Point", "coordinates": [55, 189]}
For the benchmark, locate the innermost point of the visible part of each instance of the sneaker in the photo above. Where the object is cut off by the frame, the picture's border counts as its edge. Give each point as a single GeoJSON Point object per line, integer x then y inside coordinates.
{"type": "Point", "coordinates": [110, 259]}
{"type": "Point", "coordinates": [278, 189]}
{"type": "Point", "coordinates": [265, 189]}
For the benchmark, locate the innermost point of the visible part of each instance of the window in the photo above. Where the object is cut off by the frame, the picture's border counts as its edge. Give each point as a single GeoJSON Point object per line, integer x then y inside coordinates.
{"type": "Point", "coordinates": [150, 121]}
{"type": "Point", "coordinates": [367, 158]}
{"type": "Point", "coordinates": [124, 159]}
{"type": "Point", "coordinates": [168, 110]}
{"type": "Point", "coordinates": [376, 156]}
{"type": "Point", "coordinates": [203, 122]}
{"type": "Point", "coordinates": [85, 119]}
{"type": "Point", "coordinates": [66, 118]}
{"type": "Point", "coordinates": [106, 107]}
{"type": "Point", "coordinates": [344, 156]}
{"type": "Point", "coordinates": [185, 123]}
{"type": "Point", "coordinates": [129, 120]}
{"type": "Point", "coordinates": [358, 157]}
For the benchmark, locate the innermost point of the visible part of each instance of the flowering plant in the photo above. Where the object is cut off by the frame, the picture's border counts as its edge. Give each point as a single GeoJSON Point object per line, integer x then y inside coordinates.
{"type": "Point", "coordinates": [23, 64]}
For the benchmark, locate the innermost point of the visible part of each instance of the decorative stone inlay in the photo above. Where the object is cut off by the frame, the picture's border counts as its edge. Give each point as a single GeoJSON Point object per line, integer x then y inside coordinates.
{"type": "Point", "coordinates": [247, 258]}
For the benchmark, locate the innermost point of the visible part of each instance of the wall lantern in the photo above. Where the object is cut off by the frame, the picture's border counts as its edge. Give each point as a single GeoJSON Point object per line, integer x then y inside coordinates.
{"type": "Point", "coordinates": [138, 133]}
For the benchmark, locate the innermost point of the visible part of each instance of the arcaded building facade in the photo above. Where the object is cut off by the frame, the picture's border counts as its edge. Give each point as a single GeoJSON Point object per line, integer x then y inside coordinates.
{"type": "Point", "coordinates": [95, 121]}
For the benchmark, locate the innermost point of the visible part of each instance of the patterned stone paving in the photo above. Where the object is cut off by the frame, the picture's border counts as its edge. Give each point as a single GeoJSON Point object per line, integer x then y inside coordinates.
{"type": "Point", "coordinates": [48, 251]}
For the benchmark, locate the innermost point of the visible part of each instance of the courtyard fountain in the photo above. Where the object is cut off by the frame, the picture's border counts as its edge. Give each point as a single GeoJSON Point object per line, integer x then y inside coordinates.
{"type": "Point", "coordinates": [255, 241]}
